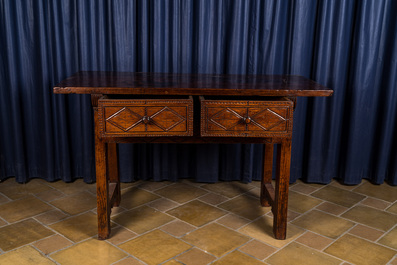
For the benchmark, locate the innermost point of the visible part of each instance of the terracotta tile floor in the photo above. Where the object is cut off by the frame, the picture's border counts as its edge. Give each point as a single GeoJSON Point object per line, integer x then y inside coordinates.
{"type": "Point", "coordinates": [197, 223]}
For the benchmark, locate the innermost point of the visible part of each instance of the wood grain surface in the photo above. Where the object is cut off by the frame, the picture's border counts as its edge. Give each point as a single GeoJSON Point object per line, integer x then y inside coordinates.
{"type": "Point", "coordinates": [97, 82]}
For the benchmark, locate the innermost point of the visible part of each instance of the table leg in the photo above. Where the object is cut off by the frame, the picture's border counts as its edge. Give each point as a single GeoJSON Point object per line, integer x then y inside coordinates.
{"type": "Point", "coordinates": [103, 205]}
{"type": "Point", "coordinates": [267, 190]}
{"type": "Point", "coordinates": [113, 173]}
{"type": "Point", "coordinates": [280, 205]}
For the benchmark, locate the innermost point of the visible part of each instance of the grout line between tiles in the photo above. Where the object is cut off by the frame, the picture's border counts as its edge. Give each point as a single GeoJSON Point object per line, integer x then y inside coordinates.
{"type": "Point", "coordinates": [325, 253]}
{"type": "Point", "coordinates": [213, 221]}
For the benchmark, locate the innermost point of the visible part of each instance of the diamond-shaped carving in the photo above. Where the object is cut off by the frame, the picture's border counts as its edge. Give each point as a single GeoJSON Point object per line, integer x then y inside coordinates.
{"type": "Point", "coordinates": [267, 119]}
{"type": "Point", "coordinates": [226, 118]}
{"type": "Point", "coordinates": [125, 119]}
{"type": "Point", "coordinates": [233, 119]}
{"type": "Point", "coordinates": [166, 119]}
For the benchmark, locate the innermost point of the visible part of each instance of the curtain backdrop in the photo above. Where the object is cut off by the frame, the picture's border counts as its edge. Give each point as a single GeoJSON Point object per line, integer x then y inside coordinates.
{"type": "Point", "coordinates": [349, 46]}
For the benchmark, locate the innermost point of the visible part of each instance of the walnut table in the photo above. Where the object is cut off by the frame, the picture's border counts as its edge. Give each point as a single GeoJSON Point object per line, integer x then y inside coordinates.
{"type": "Point", "coordinates": [192, 108]}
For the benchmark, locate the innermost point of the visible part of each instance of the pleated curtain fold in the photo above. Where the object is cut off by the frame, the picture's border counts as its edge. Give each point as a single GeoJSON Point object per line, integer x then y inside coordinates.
{"type": "Point", "coordinates": [349, 46]}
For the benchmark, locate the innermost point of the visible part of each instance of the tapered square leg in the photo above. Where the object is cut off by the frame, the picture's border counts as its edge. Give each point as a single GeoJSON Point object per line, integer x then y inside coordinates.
{"type": "Point", "coordinates": [267, 191]}
{"type": "Point", "coordinates": [102, 184]}
{"type": "Point", "coordinates": [280, 205]}
{"type": "Point", "coordinates": [113, 173]}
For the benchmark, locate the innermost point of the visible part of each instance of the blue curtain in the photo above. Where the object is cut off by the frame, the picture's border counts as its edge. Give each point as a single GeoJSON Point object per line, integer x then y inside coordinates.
{"type": "Point", "coordinates": [350, 46]}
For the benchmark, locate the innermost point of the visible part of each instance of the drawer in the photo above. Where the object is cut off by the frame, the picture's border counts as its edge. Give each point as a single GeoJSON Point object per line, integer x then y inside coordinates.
{"type": "Point", "coordinates": [246, 117]}
{"type": "Point", "coordinates": [146, 117]}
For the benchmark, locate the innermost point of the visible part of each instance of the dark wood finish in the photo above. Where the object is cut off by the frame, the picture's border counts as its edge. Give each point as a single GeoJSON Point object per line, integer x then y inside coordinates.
{"type": "Point", "coordinates": [189, 84]}
{"type": "Point", "coordinates": [113, 173]}
{"type": "Point", "coordinates": [258, 112]}
{"type": "Point", "coordinates": [145, 117]}
{"type": "Point", "coordinates": [246, 118]}
{"type": "Point", "coordinates": [102, 181]}
{"type": "Point", "coordinates": [114, 194]}
{"type": "Point", "coordinates": [267, 190]}
{"type": "Point", "coordinates": [196, 139]}
{"type": "Point", "coordinates": [280, 204]}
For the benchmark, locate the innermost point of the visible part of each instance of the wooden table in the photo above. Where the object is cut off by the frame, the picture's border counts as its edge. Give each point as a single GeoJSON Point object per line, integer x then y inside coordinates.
{"type": "Point", "coordinates": [192, 108]}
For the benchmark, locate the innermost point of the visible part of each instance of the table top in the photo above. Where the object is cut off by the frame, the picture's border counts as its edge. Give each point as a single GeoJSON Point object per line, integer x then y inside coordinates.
{"type": "Point", "coordinates": [98, 82]}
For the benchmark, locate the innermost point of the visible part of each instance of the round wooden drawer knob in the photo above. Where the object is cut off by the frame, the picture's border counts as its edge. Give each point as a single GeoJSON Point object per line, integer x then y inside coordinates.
{"type": "Point", "coordinates": [146, 120]}
{"type": "Point", "coordinates": [247, 120]}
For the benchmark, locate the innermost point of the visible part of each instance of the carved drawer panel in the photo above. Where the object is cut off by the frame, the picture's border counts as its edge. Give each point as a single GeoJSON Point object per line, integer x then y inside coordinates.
{"type": "Point", "coordinates": [246, 117]}
{"type": "Point", "coordinates": [145, 117]}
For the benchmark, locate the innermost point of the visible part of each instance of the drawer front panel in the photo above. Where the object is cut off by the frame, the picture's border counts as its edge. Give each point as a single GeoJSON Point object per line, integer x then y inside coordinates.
{"type": "Point", "coordinates": [146, 117]}
{"type": "Point", "coordinates": [246, 118]}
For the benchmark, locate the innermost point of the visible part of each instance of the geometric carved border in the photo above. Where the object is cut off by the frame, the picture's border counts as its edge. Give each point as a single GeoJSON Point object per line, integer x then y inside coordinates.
{"type": "Point", "coordinates": [181, 119]}
{"type": "Point", "coordinates": [165, 118]}
{"type": "Point", "coordinates": [227, 130]}
{"type": "Point", "coordinates": [140, 119]}
{"type": "Point", "coordinates": [117, 114]}
{"type": "Point", "coordinates": [240, 118]}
